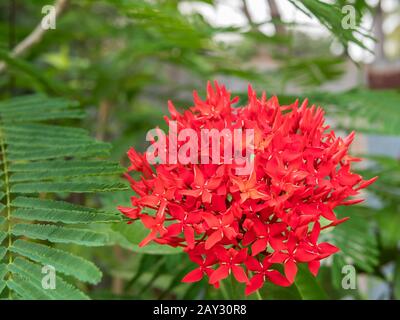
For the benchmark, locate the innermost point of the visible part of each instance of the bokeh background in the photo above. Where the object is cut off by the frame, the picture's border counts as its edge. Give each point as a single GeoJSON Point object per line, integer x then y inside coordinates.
{"type": "Point", "coordinates": [122, 60]}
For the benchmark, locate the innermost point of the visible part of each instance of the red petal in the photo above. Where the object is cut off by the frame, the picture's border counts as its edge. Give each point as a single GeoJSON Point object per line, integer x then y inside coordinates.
{"type": "Point", "coordinates": [290, 270]}
{"type": "Point", "coordinates": [239, 274]}
{"type": "Point", "coordinates": [129, 212]}
{"type": "Point", "coordinates": [328, 213]}
{"type": "Point", "coordinates": [277, 257]}
{"type": "Point", "coordinates": [189, 236]}
{"type": "Point", "coordinates": [259, 228]}
{"type": "Point", "coordinates": [241, 256]}
{"type": "Point", "coordinates": [346, 178]}
{"type": "Point", "coordinates": [326, 249]}
{"type": "Point", "coordinates": [291, 243]}
{"type": "Point", "coordinates": [351, 202]}
{"type": "Point", "coordinates": [206, 196]}
{"type": "Point", "coordinates": [253, 264]}
{"type": "Point", "coordinates": [221, 253]}
{"type": "Point", "coordinates": [255, 283]}
{"type": "Point", "coordinates": [176, 211]}
{"type": "Point", "coordinates": [277, 278]}
{"type": "Point", "coordinates": [221, 273]}
{"type": "Point", "coordinates": [313, 266]}
{"type": "Point", "coordinates": [304, 255]}
{"type": "Point", "coordinates": [315, 233]}
{"type": "Point", "coordinates": [196, 259]}
{"type": "Point", "coordinates": [198, 177]}
{"type": "Point", "coordinates": [149, 201]}
{"type": "Point", "coordinates": [212, 221]}
{"type": "Point", "coordinates": [193, 193]}
{"type": "Point", "coordinates": [161, 209]}
{"type": "Point", "coordinates": [366, 183]}
{"type": "Point", "coordinates": [174, 229]}
{"type": "Point", "coordinates": [229, 232]}
{"type": "Point", "coordinates": [213, 183]}
{"type": "Point", "coordinates": [276, 244]}
{"type": "Point", "coordinates": [213, 239]}
{"type": "Point", "coordinates": [151, 236]}
{"type": "Point", "coordinates": [147, 221]}
{"type": "Point", "coordinates": [258, 246]}
{"type": "Point", "coordinates": [193, 276]}
{"type": "Point", "coordinates": [227, 219]}
{"type": "Point", "coordinates": [248, 238]}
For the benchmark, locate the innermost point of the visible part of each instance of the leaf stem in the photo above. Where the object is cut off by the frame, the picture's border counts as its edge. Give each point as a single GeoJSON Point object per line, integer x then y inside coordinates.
{"type": "Point", "coordinates": [7, 193]}
{"type": "Point", "coordinates": [224, 291]}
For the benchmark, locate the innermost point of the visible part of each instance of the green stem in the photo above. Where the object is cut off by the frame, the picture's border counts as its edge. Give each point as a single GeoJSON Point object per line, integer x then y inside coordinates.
{"type": "Point", "coordinates": [7, 193]}
{"type": "Point", "coordinates": [224, 291]}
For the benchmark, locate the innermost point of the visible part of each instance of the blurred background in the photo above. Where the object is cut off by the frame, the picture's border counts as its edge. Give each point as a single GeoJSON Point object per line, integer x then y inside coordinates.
{"type": "Point", "coordinates": [122, 60]}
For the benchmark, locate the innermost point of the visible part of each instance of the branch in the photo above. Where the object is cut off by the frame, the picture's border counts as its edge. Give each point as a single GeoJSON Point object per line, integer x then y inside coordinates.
{"type": "Point", "coordinates": [102, 119]}
{"type": "Point", "coordinates": [379, 34]}
{"type": "Point", "coordinates": [276, 17]}
{"type": "Point", "coordinates": [247, 13]}
{"type": "Point", "coordinates": [34, 37]}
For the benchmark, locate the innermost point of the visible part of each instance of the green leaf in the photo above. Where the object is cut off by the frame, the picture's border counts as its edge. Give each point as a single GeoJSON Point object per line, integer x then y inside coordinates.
{"type": "Point", "coordinates": [36, 75]}
{"type": "Point", "coordinates": [307, 285]}
{"type": "Point", "coordinates": [389, 223]}
{"type": "Point", "coordinates": [330, 16]}
{"type": "Point", "coordinates": [3, 270]}
{"type": "Point", "coordinates": [368, 111]}
{"type": "Point", "coordinates": [58, 211]}
{"type": "Point", "coordinates": [58, 234]}
{"type": "Point", "coordinates": [36, 102]}
{"type": "Point", "coordinates": [2, 285]}
{"type": "Point", "coordinates": [27, 289]}
{"type": "Point", "coordinates": [3, 235]}
{"type": "Point", "coordinates": [356, 238]}
{"type": "Point", "coordinates": [3, 251]}
{"type": "Point", "coordinates": [71, 186]}
{"type": "Point", "coordinates": [62, 261]}
{"type": "Point", "coordinates": [130, 235]}
{"type": "Point", "coordinates": [46, 170]}
{"type": "Point", "coordinates": [33, 271]}
{"type": "Point", "coordinates": [338, 263]}
{"type": "Point", "coordinates": [51, 160]}
{"type": "Point", "coordinates": [19, 152]}
{"type": "Point", "coordinates": [36, 130]}
{"type": "Point", "coordinates": [67, 114]}
{"type": "Point", "coordinates": [57, 165]}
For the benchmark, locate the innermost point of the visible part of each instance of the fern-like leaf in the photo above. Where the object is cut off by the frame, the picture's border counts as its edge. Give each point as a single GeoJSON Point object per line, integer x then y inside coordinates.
{"type": "Point", "coordinates": [357, 242]}
{"type": "Point", "coordinates": [362, 110]}
{"type": "Point", "coordinates": [39, 161]}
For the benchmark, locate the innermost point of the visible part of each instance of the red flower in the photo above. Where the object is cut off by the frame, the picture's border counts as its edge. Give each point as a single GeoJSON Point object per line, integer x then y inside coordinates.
{"type": "Point", "coordinates": [184, 224]}
{"type": "Point", "coordinates": [246, 225]}
{"type": "Point", "coordinates": [205, 265]}
{"type": "Point", "coordinates": [220, 227]}
{"type": "Point", "coordinates": [202, 187]}
{"type": "Point", "coordinates": [263, 272]}
{"type": "Point", "coordinates": [229, 261]}
{"type": "Point", "coordinates": [293, 253]}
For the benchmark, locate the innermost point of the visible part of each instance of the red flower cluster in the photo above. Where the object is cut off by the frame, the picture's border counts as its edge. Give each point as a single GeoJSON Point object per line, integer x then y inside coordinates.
{"type": "Point", "coordinates": [247, 225]}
